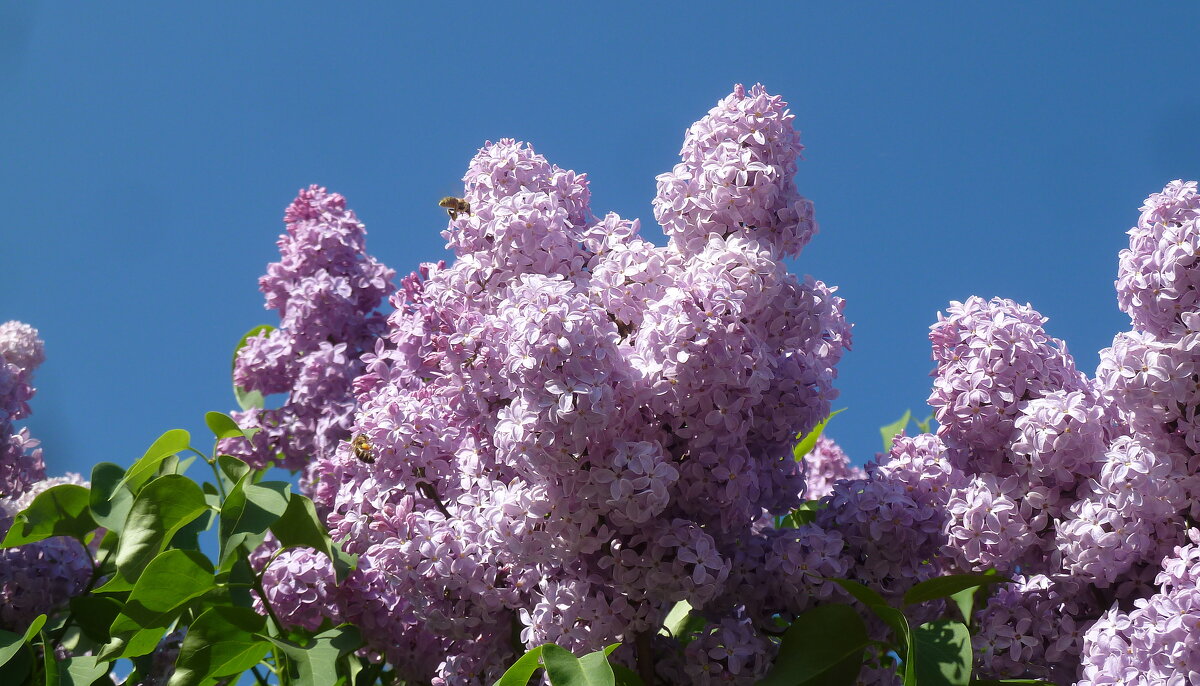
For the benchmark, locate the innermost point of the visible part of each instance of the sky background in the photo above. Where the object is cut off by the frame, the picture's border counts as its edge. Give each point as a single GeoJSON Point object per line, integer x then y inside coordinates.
{"type": "Point", "coordinates": [149, 150]}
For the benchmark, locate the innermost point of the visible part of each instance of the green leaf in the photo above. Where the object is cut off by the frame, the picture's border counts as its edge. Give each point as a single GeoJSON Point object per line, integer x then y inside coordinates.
{"type": "Point", "coordinates": [682, 624]}
{"type": "Point", "coordinates": [806, 513]}
{"type": "Point", "coordinates": [233, 468]}
{"type": "Point", "coordinates": [249, 511]}
{"type": "Point", "coordinates": [522, 670]}
{"type": "Point", "coordinates": [162, 508]}
{"type": "Point", "coordinates": [220, 642]}
{"type": "Point", "coordinates": [170, 443]}
{"type": "Point", "coordinates": [824, 646]}
{"type": "Point", "coordinates": [924, 425]}
{"type": "Point", "coordinates": [947, 586]}
{"type": "Point", "coordinates": [223, 426]}
{"type": "Point", "coordinates": [317, 662]}
{"type": "Point", "coordinates": [17, 666]}
{"type": "Point", "coordinates": [1011, 683]}
{"type": "Point", "coordinates": [564, 669]}
{"type": "Point", "coordinates": [108, 500]}
{"type": "Point", "coordinates": [11, 644]}
{"type": "Point", "coordinates": [59, 511]}
{"type": "Point", "coordinates": [809, 440]}
{"type": "Point", "coordinates": [49, 662]}
{"type": "Point", "coordinates": [81, 671]}
{"type": "Point", "coordinates": [890, 431]}
{"type": "Point", "coordinates": [300, 527]}
{"type": "Point", "coordinates": [171, 579]}
{"type": "Point", "coordinates": [943, 653]}
{"type": "Point", "coordinates": [864, 594]}
{"type": "Point", "coordinates": [94, 614]}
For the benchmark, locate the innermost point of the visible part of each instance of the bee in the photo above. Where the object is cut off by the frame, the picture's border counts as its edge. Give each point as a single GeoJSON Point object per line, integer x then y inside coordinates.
{"type": "Point", "coordinates": [454, 206]}
{"type": "Point", "coordinates": [362, 449]}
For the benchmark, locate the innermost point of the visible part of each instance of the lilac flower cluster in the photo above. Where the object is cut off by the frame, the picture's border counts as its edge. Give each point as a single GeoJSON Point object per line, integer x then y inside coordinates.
{"type": "Point", "coordinates": [1156, 642]}
{"type": "Point", "coordinates": [326, 289]}
{"type": "Point", "coordinates": [21, 352]}
{"type": "Point", "coordinates": [571, 429]}
{"type": "Point", "coordinates": [825, 465]}
{"type": "Point", "coordinates": [300, 585]}
{"type": "Point", "coordinates": [1075, 486]}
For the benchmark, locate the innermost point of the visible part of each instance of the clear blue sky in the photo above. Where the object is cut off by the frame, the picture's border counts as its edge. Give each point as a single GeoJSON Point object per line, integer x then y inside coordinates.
{"type": "Point", "coordinates": [149, 151]}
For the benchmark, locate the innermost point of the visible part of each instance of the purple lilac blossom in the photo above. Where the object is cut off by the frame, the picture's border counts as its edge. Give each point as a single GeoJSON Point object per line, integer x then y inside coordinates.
{"type": "Point", "coordinates": [825, 465]}
{"type": "Point", "coordinates": [326, 289]}
{"type": "Point", "coordinates": [1158, 280]}
{"type": "Point", "coordinates": [574, 429]}
{"type": "Point", "coordinates": [300, 586]}
{"type": "Point", "coordinates": [21, 352]}
{"type": "Point", "coordinates": [1158, 640]}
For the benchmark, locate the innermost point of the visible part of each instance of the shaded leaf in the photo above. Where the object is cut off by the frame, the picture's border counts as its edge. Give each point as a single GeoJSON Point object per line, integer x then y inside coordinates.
{"type": "Point", "coordinates": [823, 646]}
{"type": "Point", "coordinates": [94, 614]}
{"type": "Point", "coordinates": [943, 653]}
{"type": "Point", "coordinates": [11, 644]}
{"type": "Point", "coordinates": [108, 500]}
{"type": "Point", "coordinates": [946, 586]}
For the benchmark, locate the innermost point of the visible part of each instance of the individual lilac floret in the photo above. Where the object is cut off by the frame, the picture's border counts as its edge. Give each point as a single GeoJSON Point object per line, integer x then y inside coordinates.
{"type": "Point", "coordinates": [301, 587]}
{"type": "Point", "coordinates": [991, 357]}
{"type": "Point", "coordinates": [326, 289]}
{"type": "Point", "coordinates": [1158, 641]}
{"type": "Point", "coordinates": [1159, 275]}
{"type": "Point", "coordinates": [736, 178]}
{"type": "Point", "coordinates": [825, 465]}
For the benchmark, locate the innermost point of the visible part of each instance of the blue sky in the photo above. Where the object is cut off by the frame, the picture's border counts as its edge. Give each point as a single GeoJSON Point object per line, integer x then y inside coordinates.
{"type": "Point", "coordinates": [149, 151]}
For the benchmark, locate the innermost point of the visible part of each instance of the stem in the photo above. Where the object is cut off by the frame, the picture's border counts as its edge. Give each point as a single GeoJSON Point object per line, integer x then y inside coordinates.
{"type": "Point", "coordinates": [645, 657]}
{"type": "Point", "coordinates": [212, 462]}
{"type": "Point", "coordinates": [429, 492]}
{"type": "Point", "coordinates": [281, 660]}
{"type": "Point", "coordinates": [62, 631]}
{"type": "Point", "coordinates": [260, 678]}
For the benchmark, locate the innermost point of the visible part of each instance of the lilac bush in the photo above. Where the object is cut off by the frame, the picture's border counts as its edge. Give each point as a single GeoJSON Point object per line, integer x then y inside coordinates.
{"type": "Point", "coordinates": [568, 429]}
{"type": "Point", "coordinates": [569, 434]}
